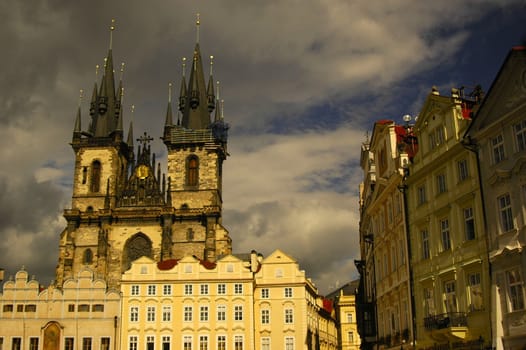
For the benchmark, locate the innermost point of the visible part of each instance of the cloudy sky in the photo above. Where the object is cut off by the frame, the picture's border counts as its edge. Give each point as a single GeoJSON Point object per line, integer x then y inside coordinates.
{"type": "Point", "coordinates": [302, 80]}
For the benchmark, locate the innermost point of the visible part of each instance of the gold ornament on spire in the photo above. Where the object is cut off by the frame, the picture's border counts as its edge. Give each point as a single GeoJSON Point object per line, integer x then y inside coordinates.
{"type": "Point", "coordinates": [112, 28]}
{"type": "Point", "coordinates": [211, 64]}
{"type": "Point", "coordinates": [122, 70]}
{"type": "Point", "coordinates": [169, 92]}
{"type": "Point", "coordinates": [184, 66]}
{"type": "Point", "coordinates": [197, 24]}
{"type": "Point", "coordinates": [80, 96]}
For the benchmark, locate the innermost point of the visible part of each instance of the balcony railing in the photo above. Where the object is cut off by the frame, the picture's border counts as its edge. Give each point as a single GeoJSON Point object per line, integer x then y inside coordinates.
{"type": "Point", "coordinates": [448, 320]}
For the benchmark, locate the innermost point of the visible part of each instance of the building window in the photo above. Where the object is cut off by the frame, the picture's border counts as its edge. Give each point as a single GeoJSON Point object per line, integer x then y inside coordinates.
{"type": "Point", "coordinates": [265, 316]}
{"type": "Point", "coordinates": [188, 313]}
{"type": "Point", "coordinates": [30, 308]}
{"type": "Point", "coordinates": [187, 342]}
{"type": "Point", "coordinates": [506, 216]}
{"type": "Point", "coordinates": [221, 342]}
{"type": "Point", "coordinates": [349, 317]}
{"type": "Point", "coordinates": [69, 343]}
{"type": "Point", "coordinates": [150, 313]}
{"type": "Point", "coordinates": [190, 234]}
{"type": "Point", "coordinates": [83, 308]}
{"type": "Point", "coordinates": [16, 343]}
{"type": "Point", "coordinates": [441, 183]}
{"type": "Point", "coordinates": [221, 313]}
{"type": "Point", "coordinates": [421, 193]}
{"type": "Point", "coordinates": [167, 289]}
{"type": "Point", "coordinates": [33, 343]}
{"type": "Point", "coordinates": [469, 224]}
{"type": "Point", "coordinates": [132, 344]}
{"type": "Point", "coordinates": [134, 314]}
{"type": "Point", "coordinates": [475, 292]}
{"type": "Point", "coordinates": [265, 343]}
{"type": "Point", "coordinates": [86, 343]}
{"type": "Point", "coordinates": [238, 288]}
{"type": "Point", "coordinates": [429, 302]}
{"type": "Point", "coordinates": [97, 308]}
{"type": "Point", "coordinates": [188, 289]}
{"type": "Point", "coordinates": [152, 290]}
{"type": "Point", "coordinates": [450, 297]}
{"type": "Point", "coordinates": [104, 343]}
{"type": "Point", "coordinates": [350, 337]}
{"type": "Point", "coordinates": [204, 289]}
{"type": "Point", "coordinates": [166, 340]}
{"type": "Point", "coordinates": [150, 342]}
{"type": "Point", "coordinates": [238, 342]}
{"type": "Point", "coordinates": [203, 342]}
{"type": "Point", "coordinates": [167, 313]}
{"type": "Point", "coordinates": [402, 252]}
{"type": "Point", "coordinates": [289, 343]}
{"type": "Point", "coordinates": [516, 290]}
{"type": "Point", "coordinates": [134, 290]}
{"type": "Point", "coordinates": [88, 257]}
{"type": "Point", "coordinates": [95, 176]}
{"type": "Point", "coordinates": [425, 244]}
{"type": "Point", "coordinates": [221, 288]}
{"type": "Point", "coordinates": [520, 135]}
{"type": "Point", "coordinates": [436, 137]}
{"type": "Point", "coordinates": [497, 145]}
{"type": "Point", "coordinates": [289, 316]}
{"type": "Point", "coordinates": [9, 308]}
{"type": "Point", "coordinates": [463, 170]}
{"type": "Point", "coordinates": [238, 312]}
{"type": "Point", "coordinates": [264, 293]}
{"type": "Point", "coordinates": [203, 313]}
{"type": "Point", "coordinates": [288, 292]}
{"type": "Point", "coordinates": [444, 234]}
{"type": "Point", "coordinates": [192, 171]}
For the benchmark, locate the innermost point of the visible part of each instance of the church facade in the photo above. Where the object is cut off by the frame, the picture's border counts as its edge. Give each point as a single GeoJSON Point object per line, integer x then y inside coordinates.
{"type": "Point", "coordinates": [145, 261]}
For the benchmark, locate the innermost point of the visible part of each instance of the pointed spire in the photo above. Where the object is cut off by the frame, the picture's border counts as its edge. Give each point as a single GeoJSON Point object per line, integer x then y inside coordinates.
{"type": "Point", "coordinates": [210, 89]}
{"type": "Point", "coordinates": [77, 129]}
{"type": "Point", "coordinates": [217, 116]}
{"type": "Point", "coordinates": [130, 130]}
{"type": "Point", "coordinates": [168, 121]}
{"type": "Point", "coordinates": [194, 91]}
{"type": "Point", "coordinates": [183, 94]}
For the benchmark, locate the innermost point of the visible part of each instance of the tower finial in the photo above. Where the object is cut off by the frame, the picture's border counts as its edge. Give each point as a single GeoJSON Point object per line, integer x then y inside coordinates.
{"type": "Point", "coordinates": [96, 72]}
{"type": "Point", "coordinates": [197, 24]}
{"type": "Point", "coordinates": [170, 92]}
{"type": "Point", "coordinates": [211, 64]}
{"type": "Point", "coordinates": [81, 95]}
{"type": "Point", "coordinates": [112, 28]}
{"type": "Point", "coordinates": [184, 66]}
{"type": "Point", "coordinates": [122, 70]}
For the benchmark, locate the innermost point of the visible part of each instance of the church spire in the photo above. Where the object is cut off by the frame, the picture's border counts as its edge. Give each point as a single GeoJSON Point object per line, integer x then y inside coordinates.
{"type": "Point", "coordinates": [169, 121]}
{"type": "Point", "coordinates": [183, 94]}
{"type": "Point", "coordinates": [210, 90]}
{"type": "Point", "coordinates": [77, 129]}
{"type": "Point", "coordinates": [196, 115]}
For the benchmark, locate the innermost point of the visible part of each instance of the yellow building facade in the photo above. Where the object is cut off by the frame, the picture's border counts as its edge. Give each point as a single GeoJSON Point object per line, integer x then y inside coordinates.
{"type": "Point", "coordinates": [383, 231]}
{"type": "Point", "coordinates": [239, 302]}
{"type": "Point", "coordinates": [449, 257]}
{"type": "Point", "coordinates": [80, 315]}
{"type": "Point", "coordinates": [344, 301]}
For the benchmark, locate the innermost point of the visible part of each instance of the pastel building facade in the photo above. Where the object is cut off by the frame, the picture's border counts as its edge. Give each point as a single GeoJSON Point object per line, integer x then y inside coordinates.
{"type": "Point", "coordinates": [498, 136]}
{"type": "Point", "coordinates": [449, 257]}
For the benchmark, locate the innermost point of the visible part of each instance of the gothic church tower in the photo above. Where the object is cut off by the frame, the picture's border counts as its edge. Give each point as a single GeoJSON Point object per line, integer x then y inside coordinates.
{"type": "Point", "coordinates": [122, 208]}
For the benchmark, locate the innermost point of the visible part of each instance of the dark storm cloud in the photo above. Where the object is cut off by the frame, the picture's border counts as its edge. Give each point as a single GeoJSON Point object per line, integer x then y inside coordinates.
{"type": "Point", "coordinates": [276, 60]}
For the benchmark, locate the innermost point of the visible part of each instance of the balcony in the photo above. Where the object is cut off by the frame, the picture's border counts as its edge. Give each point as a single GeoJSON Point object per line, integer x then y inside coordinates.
{"type": "Point", "coordinates": [453, 325]}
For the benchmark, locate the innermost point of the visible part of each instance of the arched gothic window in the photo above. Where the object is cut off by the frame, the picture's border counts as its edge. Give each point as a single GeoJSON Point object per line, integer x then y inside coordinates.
{"type": "Point", "coordinates": [137, 246]}
{"type": "Point", "coordinates": [95, 176]}
{"type": "Point", "coordinates": [192, 171]}
{"type": "Point", "coordinates": [88, 257]}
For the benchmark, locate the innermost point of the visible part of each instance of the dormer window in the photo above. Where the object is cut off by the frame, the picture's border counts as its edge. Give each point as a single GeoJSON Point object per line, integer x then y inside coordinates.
{"type": "Point", "coordinates": [88, 257]}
